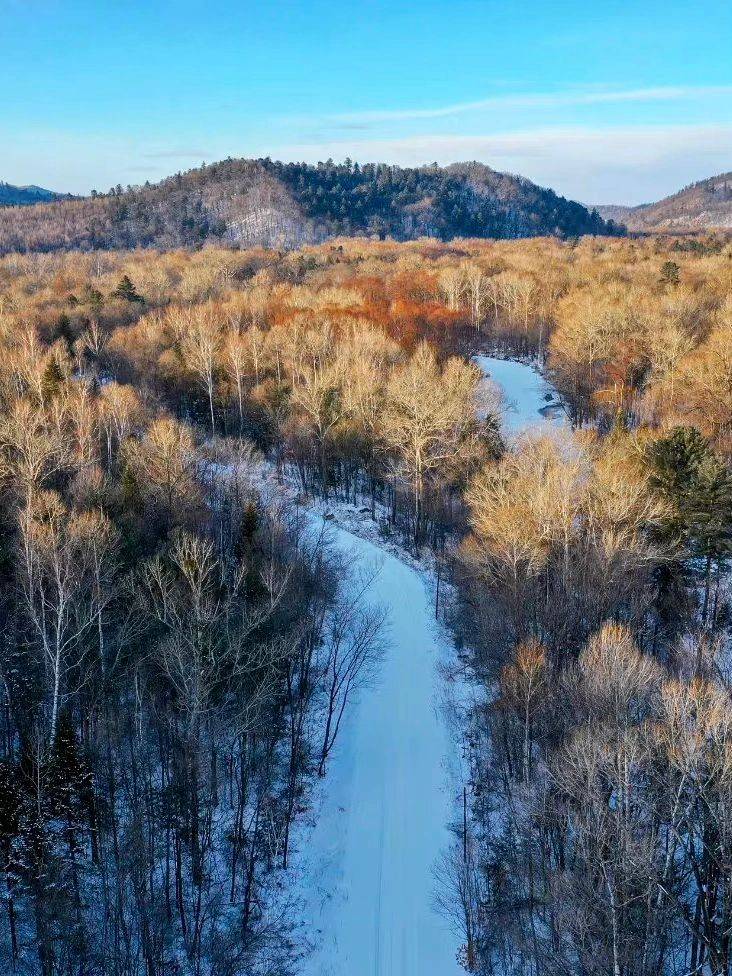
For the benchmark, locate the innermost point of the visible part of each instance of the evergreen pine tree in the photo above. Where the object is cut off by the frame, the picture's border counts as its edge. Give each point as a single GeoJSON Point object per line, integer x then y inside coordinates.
{"type": "Point", "coordinates": [52, 379]}
{"type": "Point", "coordinates": [93, 298]}
{"type": "Point", "coordinates": [127, 291]}
{"type": "Point", "coordinates": [670, 273]}
{"type": "Point", "coordinates": [697, 483]}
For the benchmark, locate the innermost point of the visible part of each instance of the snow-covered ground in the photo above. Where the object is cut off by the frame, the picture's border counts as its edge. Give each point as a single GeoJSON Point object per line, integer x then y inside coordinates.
{"type": "Point", "coordinates": [529, 400]}
{"type": "Point", "coordinates": [391, 787]}
{"type": "Point", "coordinates": [387, 801]}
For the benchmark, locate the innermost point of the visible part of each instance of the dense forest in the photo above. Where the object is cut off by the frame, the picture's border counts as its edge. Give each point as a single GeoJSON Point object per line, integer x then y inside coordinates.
{"type": "Point", "coordinates": [179, 644]}
{"type": "Point", "coordinates": [21, 196]}
{"type": "Point", "coordinates": [260, 202]}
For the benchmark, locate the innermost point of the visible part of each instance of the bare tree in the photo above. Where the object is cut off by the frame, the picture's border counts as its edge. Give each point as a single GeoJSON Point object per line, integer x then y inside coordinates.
{"type": "Point", "coordinates": [430, 421]}
{"type": "Point", "coordinates": [67, 585]}
{"type": "Point", "coordinates": [352, 645]}
{"type": "Point", "coordinates": [201, 344]}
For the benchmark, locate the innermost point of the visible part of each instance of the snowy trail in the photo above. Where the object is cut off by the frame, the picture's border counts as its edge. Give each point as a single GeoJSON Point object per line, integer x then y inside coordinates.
{"type": "Point", "coordinates": [388, 802]}
{"type": "Point", "coordinates": [389, 793]}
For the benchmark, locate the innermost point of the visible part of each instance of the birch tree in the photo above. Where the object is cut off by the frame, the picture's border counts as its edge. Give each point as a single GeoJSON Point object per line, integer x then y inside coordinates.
{"type": "Point", "coordinates": [66, 573]}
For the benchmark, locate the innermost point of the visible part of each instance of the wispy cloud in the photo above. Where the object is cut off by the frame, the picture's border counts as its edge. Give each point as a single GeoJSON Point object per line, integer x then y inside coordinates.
{"type": "Point", "coordinates": [535, 100]}
{"type": "Point", "coordinates": [629, 164]}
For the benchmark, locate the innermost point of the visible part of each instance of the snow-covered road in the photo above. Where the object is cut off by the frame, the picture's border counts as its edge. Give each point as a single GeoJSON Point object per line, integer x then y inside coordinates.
{"type": "Point", "coordinates": [389, 795]}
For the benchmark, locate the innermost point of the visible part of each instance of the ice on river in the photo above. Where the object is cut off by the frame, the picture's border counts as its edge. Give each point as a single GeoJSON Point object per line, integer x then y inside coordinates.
{"type": "Point", "coordinates": [387, 802]}
{"type": "Point", "coordinates": [529, 400]}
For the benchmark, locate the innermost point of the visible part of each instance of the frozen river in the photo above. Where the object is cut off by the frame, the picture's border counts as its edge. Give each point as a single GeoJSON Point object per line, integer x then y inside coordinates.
{"type": "Point", "coordinates": [529, 401]}
{"type": "Point", "coordinates": [387, 802]}
{"type": "Point", "coordinates": [388, 795]}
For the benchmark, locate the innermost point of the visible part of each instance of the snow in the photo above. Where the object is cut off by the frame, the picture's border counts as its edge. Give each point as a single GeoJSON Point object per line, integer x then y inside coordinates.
{"type": "Point", "coordinates": [394, 776]}
{"type": "Point", "coordinates": [525, 394]}
{"type": "Point", "coordinates": [387, 801]}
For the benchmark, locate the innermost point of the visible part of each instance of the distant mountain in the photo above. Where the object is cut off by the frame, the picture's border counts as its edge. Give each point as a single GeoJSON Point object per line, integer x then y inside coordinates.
{"type": "Point", "coordinates": [22, 196]}
{"type": "Point", "coordinates": [261, 202]}
{"type": "Point", "coordinates": [706, 205]}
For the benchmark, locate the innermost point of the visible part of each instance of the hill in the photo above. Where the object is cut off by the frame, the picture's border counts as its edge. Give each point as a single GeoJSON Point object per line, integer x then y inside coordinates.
{"type": "Point", "coordinates": [23, 196]}
{"type": "Point", "coordinates": [261, 202]}
{"type": "Point", "coordinates": [706, 205]}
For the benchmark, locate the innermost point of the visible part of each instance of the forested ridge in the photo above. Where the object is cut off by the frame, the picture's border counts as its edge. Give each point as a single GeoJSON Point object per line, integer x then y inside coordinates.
{"type": "Point", "coordinates": [261, 202]}
{"type": "Point", "coordinates": [701, 206]}
{"type": "Point", "coordinates": [16, 196]}
{"type": "Point", "coordinates": [179, 644]}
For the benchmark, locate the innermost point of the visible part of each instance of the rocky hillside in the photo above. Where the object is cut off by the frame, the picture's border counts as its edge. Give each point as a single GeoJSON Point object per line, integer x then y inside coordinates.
{"type": "Point", "coordinates": [261, 202]}
{"type": "Point", "coordinates": [706, 205]}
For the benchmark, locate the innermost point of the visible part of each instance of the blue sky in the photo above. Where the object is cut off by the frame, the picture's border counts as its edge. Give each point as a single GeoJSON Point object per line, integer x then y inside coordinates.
{"type": "Point", "coordinates": [611, 102]}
